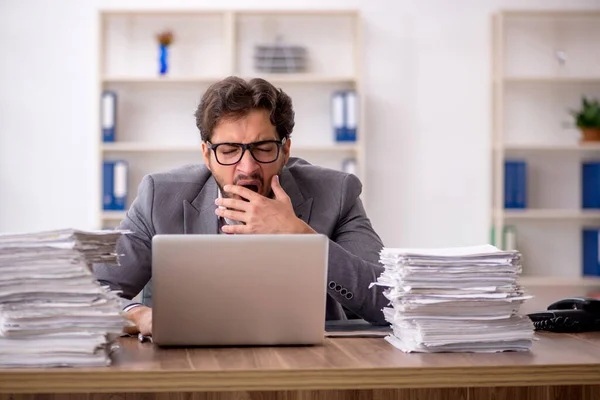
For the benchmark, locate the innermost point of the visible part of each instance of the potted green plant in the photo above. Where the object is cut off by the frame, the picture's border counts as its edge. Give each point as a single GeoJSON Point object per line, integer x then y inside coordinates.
{"type": "Point", "coordinates": [587, 119]}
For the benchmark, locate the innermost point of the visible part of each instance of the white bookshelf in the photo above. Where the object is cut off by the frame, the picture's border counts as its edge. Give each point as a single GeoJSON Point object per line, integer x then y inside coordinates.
{"type": "Point", "coordinates": [155, 124]}
{"type": "Point", "coordinates": [532, 95]}
{"type": "Point", "coordinates": [543, 147]}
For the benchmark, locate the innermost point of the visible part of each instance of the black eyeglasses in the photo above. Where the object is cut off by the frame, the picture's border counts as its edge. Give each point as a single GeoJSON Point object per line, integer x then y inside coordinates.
{"type": "Point", "coordinates": [265, 152]}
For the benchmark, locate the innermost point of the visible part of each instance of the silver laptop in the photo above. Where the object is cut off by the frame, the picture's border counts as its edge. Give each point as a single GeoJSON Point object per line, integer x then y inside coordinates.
{"type": "Point", "coordinates": [230, 290]}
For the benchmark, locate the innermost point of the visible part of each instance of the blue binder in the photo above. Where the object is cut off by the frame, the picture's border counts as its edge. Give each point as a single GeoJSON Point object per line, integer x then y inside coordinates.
{"type": "Point", "coordinates": [350, 115]}
{"type": "Point", "coordinates": [107, 185]}
{"type": "Point", "coordinates": [515, 184]}
{"type": "Point", "coordinates": [590, 184]}
{"type": "Point", "coordinates": [108, 115]}
{"type": "Point", "coordinates": [114, 191]}
{"type": "Point", "coordinates": [338, 111]}
{"type": "Point", "coordinates": [521, 187]}
{"type": "Point", "coordinates": [589, 256]}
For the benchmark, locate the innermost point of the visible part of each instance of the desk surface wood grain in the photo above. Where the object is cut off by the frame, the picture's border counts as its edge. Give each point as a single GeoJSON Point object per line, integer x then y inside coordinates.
{"type": "Point", "coordinates": [341, 363]}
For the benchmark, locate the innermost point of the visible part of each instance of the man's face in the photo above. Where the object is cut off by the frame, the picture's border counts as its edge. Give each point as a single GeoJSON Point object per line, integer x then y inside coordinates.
{"type": "Point", "coordinates": [248, 172]}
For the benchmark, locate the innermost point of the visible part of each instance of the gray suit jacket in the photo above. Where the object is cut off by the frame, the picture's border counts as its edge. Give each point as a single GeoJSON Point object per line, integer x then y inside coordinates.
{"type": "Point", "coordinates": [183, 201]}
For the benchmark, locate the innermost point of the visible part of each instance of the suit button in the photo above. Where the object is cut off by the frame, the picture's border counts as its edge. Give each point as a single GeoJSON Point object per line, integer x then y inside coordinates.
{"type": "Point", "coordinates": [338, 288]}
{"type": "Point", "coordinates": [343, 291]}
{"type": "Point", "coordinates": [349, 295]}
{"type": "Point", "coordinates": [332, 285]}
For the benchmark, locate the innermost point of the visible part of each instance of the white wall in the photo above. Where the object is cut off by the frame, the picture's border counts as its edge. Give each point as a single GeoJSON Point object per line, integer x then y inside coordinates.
{"type": "Point", "coordinates": [427, 75]}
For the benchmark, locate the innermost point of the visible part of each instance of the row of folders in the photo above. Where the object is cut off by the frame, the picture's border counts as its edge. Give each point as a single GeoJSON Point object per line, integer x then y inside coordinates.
{"type": "Point", "coordinates": [515, 184]}
{"type": "Point", "coordinates": [344, 115]}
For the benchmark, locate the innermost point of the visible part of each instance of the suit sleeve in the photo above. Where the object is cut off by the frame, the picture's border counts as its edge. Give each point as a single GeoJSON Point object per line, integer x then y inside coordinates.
{"type": "Point", "coordinates": [134, 249]}
{"type": "Point", "coordinates": [354, 258]}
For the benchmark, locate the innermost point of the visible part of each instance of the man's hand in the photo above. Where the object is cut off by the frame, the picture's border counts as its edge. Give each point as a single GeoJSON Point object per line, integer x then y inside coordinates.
{"type": "Point", "coordinates": [260, 214]}
{"type": "Point", "coordinates": [141, 316]}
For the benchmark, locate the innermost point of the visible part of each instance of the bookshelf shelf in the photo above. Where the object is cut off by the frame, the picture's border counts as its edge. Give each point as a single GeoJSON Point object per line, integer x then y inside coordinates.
{"type": "Point", "coordinates": [296, 13]}
{"type": "Point", "coordinates": [160, 80]}
{"type": "Point", "coordinates": [553, 79]}
{"type": "Point", "coordinates": [553, 14]}
{"type": "Point", "coordinates": [542, 64]}
{"type": "Point", "coordinates": [195, 11]}
{"type": "Point", "coordinates": [550, 214]}
{"type": "Point", "coordinates": [113, 215]}
{"type": "Point", "coordinates": [550, 147]}
{"type": "Point", "coordinates": [162, 12]}
{"type": "Point", "coordinates": [148, 148]}
{"type": "Point", "coordinates": [558, 281]}
{"type": "Point", "coordinates": [155, 127]}
{"type": "Point", "coordinates": [308, 78]}
{"type": "Point", "coordinates": [337, 148]}
{"type": "Point", "coordinates": [273, 78]}
{"type": "Point", "coordinates": [156, 147]}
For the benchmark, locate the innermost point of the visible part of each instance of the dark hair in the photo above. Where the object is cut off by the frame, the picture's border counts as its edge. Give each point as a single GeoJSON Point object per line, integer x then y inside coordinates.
{"type": "Point", "coordinates": [234, 98]}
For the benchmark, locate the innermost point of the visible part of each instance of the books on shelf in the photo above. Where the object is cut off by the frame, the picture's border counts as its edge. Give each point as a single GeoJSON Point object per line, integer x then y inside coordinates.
{"type": "Point", "coordinates": [515, 184]}
{"type": "Point", "coordinates": [114, 188]}
{"type": "Point", "coordinates": [344, 115]}
{"type": "Point", "coordinates": [460, 299]}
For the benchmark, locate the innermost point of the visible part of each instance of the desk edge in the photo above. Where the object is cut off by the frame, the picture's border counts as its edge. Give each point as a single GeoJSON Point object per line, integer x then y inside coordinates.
{"type": "Point", "coordinates": [103, 381]}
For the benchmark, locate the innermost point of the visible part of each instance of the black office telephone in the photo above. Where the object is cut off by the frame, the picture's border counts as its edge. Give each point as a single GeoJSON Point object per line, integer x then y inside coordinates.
{"type": "Point", "coordinates": [576, 314]}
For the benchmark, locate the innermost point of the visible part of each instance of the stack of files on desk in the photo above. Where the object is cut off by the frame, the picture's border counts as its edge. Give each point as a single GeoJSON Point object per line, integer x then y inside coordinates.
{"type": "Point", "coordinates": [52, 310]}
{"type": "Point", "coordinates": [462, 299]}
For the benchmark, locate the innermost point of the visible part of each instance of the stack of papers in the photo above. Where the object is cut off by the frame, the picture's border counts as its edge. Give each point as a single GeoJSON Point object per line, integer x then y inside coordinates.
{"type": "Point", "coordinates": [462, 299]}
{"type": "Point", "coordinates": [52, 310]}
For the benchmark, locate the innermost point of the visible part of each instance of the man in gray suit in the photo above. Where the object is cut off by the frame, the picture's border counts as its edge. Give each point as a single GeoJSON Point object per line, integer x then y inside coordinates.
{"type": "Point", "coordinates": [250, 185]}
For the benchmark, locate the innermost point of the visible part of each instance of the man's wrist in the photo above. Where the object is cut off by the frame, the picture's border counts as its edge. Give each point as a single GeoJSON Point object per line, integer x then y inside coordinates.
{"type": "Point", "coordinates": [133, 312]}
{"type": "Point", "coordinates": [131, 306]}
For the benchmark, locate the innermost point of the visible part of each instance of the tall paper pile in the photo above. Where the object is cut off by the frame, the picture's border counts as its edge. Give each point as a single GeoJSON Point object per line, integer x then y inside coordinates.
{"type": "Point", "coordinates": [462, 299]}
{"type": "Point", "coordinates": [52, 310]}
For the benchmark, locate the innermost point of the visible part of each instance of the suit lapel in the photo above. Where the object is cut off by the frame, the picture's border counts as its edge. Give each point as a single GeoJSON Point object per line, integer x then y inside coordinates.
{"type": "Point", "coordinates": [199, 216]}
{"type": "Point", "coordinates": [302, 206]}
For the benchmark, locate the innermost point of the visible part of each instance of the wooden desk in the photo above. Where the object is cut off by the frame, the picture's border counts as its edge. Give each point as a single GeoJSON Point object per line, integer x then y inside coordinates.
{"type": "Point", "coordinates": [560, 366]}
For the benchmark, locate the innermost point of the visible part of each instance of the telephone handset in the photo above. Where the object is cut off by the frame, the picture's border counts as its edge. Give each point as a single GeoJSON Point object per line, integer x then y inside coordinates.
{"type": "Point", "coordinates": [575, 314]}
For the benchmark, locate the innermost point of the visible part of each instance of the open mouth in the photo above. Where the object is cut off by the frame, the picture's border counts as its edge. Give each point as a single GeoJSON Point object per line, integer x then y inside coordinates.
{"type": "Point", "coordinates": [254, 188]}
{"type": "Point", "coordinates": [251, 183]}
